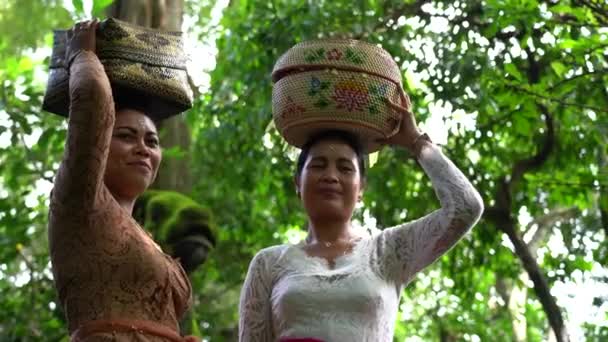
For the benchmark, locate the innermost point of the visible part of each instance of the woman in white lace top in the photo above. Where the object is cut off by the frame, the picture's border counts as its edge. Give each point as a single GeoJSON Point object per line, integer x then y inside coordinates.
{"type": "Point", "coordinates": [338, 286]}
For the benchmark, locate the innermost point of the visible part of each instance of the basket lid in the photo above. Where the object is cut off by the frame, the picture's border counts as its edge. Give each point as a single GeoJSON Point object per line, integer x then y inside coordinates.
{"type": "Point", "coordinates": [339, 54]}
{"type": "Point", "coordinates": [116, 39]}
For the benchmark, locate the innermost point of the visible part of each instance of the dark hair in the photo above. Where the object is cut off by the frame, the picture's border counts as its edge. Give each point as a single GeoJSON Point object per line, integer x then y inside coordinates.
{"type": "Point", "coordinates": [132, 99]}
{"type": "Point", "coordinates": [343, 136]}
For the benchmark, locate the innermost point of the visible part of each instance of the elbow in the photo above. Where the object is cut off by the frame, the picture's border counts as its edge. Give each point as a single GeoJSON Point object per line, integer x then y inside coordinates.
{"type": "Point", "coordinates": [91, 96]}
{"type": "Point", "coordinates": [87, 87]}
{"type": "Point", "coordinates": [88, 80]}
{"type": "Point", "coordinates": [475, 205]}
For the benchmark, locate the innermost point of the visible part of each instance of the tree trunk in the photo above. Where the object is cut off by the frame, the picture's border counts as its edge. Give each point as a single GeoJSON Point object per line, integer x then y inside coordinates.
{"type": "Point", "coordinates": [174, 173]}
{"type": "Point", "coordinates": [541, 288]}
{"type": "Point", "coordinates": [516, 296]}
{"type": "Point", "coordinates": [603, 176]}
{"type": "Point", "coordinates": [502, 216]}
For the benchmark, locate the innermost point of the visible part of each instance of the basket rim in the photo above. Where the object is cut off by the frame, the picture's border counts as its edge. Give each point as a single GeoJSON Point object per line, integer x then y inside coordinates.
{"type": "Point", "coordinates": [345, 41]}
{"type": "Point", "coordinates": [369, 143]}
{"type": "Point", "coordinates": [281, 74]}
{"type": "Point", "coordinates": [142, 28]}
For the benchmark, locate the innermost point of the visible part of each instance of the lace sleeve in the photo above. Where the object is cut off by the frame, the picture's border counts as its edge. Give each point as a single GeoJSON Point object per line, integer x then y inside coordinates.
{"type": "Point", "coordinates": [255, 316]}
{"type": "Point", "coordinates": [404, 250]}
{"type": "Point", "coordinates": [80, 175]}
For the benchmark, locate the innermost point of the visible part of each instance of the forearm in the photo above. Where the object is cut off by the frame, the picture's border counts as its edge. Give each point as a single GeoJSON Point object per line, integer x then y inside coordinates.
{"type": "Point", "coordinates": [461, 205]}
{"type": "Point", "coordinates": [91, 102]}
{"type": "Point", "coordinates": [89, 131]}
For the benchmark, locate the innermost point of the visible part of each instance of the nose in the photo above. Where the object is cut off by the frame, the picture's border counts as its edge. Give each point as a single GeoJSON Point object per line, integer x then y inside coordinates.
{"type": "Point", "coordinates": [141, 149]}
{"type": "Point", "coordinates": [330, 175]}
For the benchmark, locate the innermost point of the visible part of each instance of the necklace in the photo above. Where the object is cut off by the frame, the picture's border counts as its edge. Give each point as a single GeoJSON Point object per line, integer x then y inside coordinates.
{"type": "Point", "coordinates": [328, 244]}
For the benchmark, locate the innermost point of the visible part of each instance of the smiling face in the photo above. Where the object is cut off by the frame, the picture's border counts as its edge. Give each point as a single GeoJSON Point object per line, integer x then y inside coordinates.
{"type": "Point", "coordinates": [134, 155]}
{"type": "Point", "coordinates": [330, 182]}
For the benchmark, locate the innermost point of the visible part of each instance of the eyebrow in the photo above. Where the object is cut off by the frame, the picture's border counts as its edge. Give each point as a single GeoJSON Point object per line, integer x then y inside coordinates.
{"type": "Point", "coordinates": [345, 160]}
{"type": "Point", "coordinates": [325, 159]}
{"type": "Point", "coordinates": [134, 131]}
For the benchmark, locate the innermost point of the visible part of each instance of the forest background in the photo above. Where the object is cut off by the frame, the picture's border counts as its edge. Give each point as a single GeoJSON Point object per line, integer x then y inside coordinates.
{"type": "Point", "coordinates": [515, 91]}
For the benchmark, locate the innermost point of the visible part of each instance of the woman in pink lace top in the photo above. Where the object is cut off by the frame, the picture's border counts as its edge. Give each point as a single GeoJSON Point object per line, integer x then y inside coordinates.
{"type": "Point", "coordinates": [114, 282]}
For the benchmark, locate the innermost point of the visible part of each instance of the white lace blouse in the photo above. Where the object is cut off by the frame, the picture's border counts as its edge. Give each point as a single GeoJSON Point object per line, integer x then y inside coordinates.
{"type": "Point", "coordinates": [288, 294]}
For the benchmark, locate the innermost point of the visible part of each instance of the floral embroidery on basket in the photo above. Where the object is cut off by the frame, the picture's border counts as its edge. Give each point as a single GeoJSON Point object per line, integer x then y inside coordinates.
{"type": "Point", "coordinates": [314, 55]}
{"type": "Point", "coordinates": [354, 56]}
{"type": "Point", "coordinates": [351, 95]}
{"type": "Point", "coordinates": [378, 94]}
{"type": "Point", "coordinates": [321, 54]}
{"type": "Point", "coordinates": [334, 54]}
{"type": "Point", "coordinates": [318, 89]}
{"type": "Point", "coordinates": [292, 108]}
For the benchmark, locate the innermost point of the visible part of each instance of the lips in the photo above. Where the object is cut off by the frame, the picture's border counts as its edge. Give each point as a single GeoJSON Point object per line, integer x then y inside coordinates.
{"type": "Point", "coordinates": [141, 164]}
{"type": "Point", "coordinates": [330, 191]}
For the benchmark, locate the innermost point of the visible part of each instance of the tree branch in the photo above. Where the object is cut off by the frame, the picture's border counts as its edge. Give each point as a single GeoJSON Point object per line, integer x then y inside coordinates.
{"type": "Point", "coordinates": [541, 288]}
{"type": "Point", "coordinates": [536, 161]}
{"type": "Point", "coordinates": [600, 13]}
{"type": "Point", "coordinates": [562, 102]}
{"type": "Point", "coordinates": [545, 223]}
{"type": "Point", "coordinates": [561, 82]}
{"type": "Point", "coordinates": [195, 91]}
{"type": "Point", "coordinates": [502, 217]}
{"type": "Point", "coordinates": [497, 120]}
{"type": "Point", "coordinates": [411, 9]}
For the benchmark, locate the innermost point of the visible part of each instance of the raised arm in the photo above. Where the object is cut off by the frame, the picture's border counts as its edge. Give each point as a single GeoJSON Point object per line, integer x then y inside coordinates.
{"type": "Point", "coordinates": [406, 249]}
{"type": "Point", "coordinates": [80, 175]}
{"type": "Point", "coordinates": [255, 315]}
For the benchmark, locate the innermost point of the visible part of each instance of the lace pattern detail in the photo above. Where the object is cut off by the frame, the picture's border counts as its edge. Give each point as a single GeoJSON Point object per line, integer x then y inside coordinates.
{"type": "Point", "coordinates": [289, 294]}
{"type": "Point", "coordinates": [104, 265]}
{"type": "Point", "coordinates": [404, 250]}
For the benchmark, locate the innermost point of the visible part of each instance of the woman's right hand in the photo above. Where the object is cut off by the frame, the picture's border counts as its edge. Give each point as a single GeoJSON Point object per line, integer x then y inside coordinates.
{"type": "Point", "coordinates": [81, 37]}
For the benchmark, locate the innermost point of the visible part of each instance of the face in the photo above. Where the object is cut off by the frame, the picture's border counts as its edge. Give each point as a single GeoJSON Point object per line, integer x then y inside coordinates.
{"type": "Point", "coordinates": [134, 156]}
{"type": "Point", "coordinates": [330, 181]}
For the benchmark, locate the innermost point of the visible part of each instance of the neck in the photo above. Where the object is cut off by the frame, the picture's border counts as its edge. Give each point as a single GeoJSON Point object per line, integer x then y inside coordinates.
{"type": "Point", "coordinates": [328, 231]}
{"type": "Point", "coordinates": [126, 204]}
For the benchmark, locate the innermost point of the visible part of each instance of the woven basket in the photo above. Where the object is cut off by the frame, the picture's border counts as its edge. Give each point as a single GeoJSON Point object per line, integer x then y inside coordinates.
{"type": "Point", "coordinates": [338, 84]}
{"type": "Point", "coordinates": [149, 65]}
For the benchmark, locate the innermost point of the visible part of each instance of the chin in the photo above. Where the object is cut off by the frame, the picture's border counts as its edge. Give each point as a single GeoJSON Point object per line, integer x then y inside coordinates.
{"type": "Point", "coordinates": [329, 212]}
{"type": "Point", "coordinates": [137, 185]}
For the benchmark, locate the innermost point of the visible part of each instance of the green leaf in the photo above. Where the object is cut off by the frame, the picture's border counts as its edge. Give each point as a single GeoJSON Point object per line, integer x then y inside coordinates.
{"type": "Point", "coordinates": [511, 69]}
{"type": "Point", "coordinates": [78, 6]}
{"type": "Point", "coordinates": [559, 68]}
{"type": "Point", "coordinates": [99, 7]}
{"type": "Point", "coordinates": [174, 152]}
{"type": "Point", "coordinates": [522, 125]}
{"type": "Point", "coordinates": [194, 325]}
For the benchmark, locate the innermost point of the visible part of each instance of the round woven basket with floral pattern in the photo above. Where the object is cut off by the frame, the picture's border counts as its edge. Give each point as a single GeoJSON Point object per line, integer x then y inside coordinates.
{"type": "Point", "coordinates": [338, 84]}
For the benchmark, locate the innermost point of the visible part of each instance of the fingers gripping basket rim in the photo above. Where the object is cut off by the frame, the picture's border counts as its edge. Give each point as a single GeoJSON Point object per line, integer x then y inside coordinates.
{"type": "Point", "coordinates": [338, 84]}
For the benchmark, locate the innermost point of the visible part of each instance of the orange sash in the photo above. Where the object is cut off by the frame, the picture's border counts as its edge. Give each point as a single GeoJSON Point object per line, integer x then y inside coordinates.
{"type": "Point", "coordinates": [124, 325]}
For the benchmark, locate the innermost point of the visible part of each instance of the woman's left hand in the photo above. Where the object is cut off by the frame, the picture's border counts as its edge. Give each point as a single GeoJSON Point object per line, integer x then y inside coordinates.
{"type": "Point", "coordinates": [81, 37]}
{"type": "Point", "coordinates": [408, 132]}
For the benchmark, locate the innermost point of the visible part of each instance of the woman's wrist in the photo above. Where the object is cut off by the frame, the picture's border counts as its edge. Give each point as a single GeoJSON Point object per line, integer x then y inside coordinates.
{"type": "Point", "coordinates": [419, 142]}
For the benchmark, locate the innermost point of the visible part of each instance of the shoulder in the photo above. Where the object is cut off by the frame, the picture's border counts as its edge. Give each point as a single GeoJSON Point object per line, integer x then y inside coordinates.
{"type": "Point", "coordinates": [271, 254]}
{"type": "Point", "coordinates": [267, 262]}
